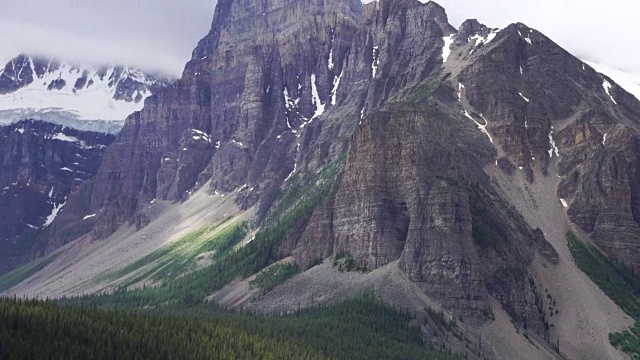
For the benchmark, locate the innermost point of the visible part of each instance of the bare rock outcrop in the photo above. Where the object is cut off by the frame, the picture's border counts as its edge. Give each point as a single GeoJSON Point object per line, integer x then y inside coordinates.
{"type": "Point", "coordinates": [407, 194]}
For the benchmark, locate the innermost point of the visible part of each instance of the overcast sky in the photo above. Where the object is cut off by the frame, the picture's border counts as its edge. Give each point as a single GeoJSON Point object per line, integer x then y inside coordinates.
{"type": "Point", "coordinates": [152, 34]}
{"type": "Point", "coordinates": [160, 34]}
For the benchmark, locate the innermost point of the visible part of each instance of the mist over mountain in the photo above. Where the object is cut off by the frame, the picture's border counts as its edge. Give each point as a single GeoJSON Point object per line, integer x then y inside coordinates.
{"type": "Point", "coordinates": [87, 97]}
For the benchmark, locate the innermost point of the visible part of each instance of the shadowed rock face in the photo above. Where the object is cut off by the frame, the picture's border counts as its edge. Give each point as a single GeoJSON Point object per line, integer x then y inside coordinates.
{"type": "Point", "coordinates": [601, 183]}
{"type": "Point", "coordinates": [413, 189]}
{"type": "Point", "coordinates": [41, 165]}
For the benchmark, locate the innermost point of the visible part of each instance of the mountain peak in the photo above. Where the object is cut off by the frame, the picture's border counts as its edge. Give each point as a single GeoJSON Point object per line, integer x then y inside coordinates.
{"type": "Point", "coordinates": [471, 27]}
{"type": "Point", "coordinates": [240, 20]}
{"type": "Point", "coordinates": [47, 88]}
{"type": "Point", "coordinates": [439, 12]}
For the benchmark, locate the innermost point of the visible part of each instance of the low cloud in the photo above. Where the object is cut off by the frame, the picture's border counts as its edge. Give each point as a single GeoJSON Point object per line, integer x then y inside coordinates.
{"type": "Point", "coordinates": [87, 49]}
{"type": "Point", "coordinates": [156, 35]}
{"type": "Point", "coordinates": [160, 34]}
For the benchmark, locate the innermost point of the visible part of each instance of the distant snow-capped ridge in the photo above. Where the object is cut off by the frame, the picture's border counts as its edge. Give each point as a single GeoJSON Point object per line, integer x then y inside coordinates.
{"type": "Point", "coordinates": [61, 92]}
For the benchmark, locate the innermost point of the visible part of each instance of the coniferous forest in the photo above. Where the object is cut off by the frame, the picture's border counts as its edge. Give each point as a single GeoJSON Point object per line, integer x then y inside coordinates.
{"type": "Point", "coordinates": [360, 328]}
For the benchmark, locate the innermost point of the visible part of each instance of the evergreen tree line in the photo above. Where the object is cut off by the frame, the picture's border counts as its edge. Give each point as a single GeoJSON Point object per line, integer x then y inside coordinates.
{"type": "Point", "coordinates": [360, 328]}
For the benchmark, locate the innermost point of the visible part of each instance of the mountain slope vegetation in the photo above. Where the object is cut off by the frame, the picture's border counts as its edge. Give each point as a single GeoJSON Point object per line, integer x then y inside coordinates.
{"type": "Point", "coordinates": [360, 328]}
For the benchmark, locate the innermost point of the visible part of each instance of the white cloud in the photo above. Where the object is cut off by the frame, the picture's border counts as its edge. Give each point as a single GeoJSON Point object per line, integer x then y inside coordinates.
{"type": "Point", "coordinates": [85, 49]}
{"type": "Point", "coordinates": [151, 34]}
{"type": "Point", "coordinates": [160, 34]}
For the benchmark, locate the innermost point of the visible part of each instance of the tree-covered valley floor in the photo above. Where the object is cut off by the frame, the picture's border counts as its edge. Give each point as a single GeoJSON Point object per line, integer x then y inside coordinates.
{"type": "Point", "coordinates": [360, 328]}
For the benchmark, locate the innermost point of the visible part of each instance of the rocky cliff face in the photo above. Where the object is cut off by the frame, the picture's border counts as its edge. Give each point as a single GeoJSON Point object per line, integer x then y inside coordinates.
{"type": "Point", "coordinates": [259, 84]}
{"type": "Point", "coordinates": [42, 164]}
{"type": "Point", "coordinates": [407, 194]}
{"type": "Point", "coordinates": [255, 83]}
{"type": "Point", "coordinates": [279, 87]}
{"type": "Point", "coordinates": [545, 107]}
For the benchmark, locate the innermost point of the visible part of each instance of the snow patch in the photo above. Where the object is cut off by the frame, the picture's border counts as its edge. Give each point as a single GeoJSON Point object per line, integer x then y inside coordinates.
{"type": "Point", "coordinates": [491, 36]}
{"type": "Point", "coordinates": [295, 167]}
{"type": "Point", "coordinates": [291, 105]}
{"type": "Point", "coordinates": [95, 101]}
{"type": "Point", "coordinates": [564, 203]}
{"type": "Point", "coordinates": [376, 62]}
{"type": "Point", "coordinates": [334, 91]}
{"type": "Point", "coordinates": [446, 50]}
{"type": "Point", "coordinates": [479, 40]}
{"type": "Point", "coordinates": [482, 127]}
{"type": "Point", "coordinates": [289, 102]}
{"type": "Point", "coordinates": [522, 96]}
{"type": "Point", "coordinates": [604, 139]}
{"type": "Point", "coordinates": [330, 63]}
{"type": "Point", "coordinates": [54, 212]}
{"type": "Point", "coordinates": [528, 38]}
{"type": "Point", "coordinates": [89, 217]}
{"type": "Point", "coordinates": [72, 139]}
{"type": "Point", "coordinates": [607, 88]}
{"type": "Point", "coordinates": [315, 97]}
{"type": "Point", "coordinates": [460, 87]}
{"type": "Point", "coordinates": [554, 148]}
{"type": "Point", "coordinates": [200, 135]}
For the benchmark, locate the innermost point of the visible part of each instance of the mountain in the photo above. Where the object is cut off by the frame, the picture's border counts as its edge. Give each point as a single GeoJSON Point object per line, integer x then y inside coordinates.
{"type": "Point", "coordinates": [42, 164]}
{"type": "Point", "coordinates": [88, 97]}
{"type": "Point", "coordinates": [444, 165]}
{"type": "Point", "coordinates": [629, 80]}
